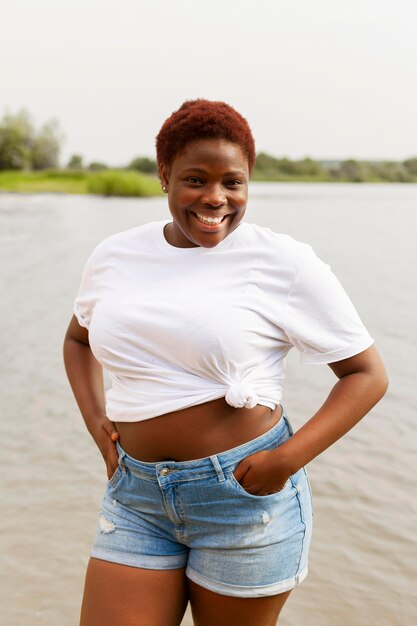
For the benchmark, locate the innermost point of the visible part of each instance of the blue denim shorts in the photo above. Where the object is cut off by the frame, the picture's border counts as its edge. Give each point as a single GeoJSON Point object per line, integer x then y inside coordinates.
{"type": "Point", "coordinates": [195, 514]}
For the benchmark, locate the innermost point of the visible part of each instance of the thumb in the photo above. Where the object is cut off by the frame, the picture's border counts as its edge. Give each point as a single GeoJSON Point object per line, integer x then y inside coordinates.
{"type": "Point", "coordinates": [111, 430]}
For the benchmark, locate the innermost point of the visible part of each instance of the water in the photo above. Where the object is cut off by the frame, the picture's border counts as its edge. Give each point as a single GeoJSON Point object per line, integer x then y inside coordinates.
{"type": "Point", "coordinates": [364, 553]}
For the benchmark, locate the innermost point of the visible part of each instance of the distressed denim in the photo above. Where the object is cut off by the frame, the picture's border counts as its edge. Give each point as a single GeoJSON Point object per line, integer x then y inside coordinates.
{"type": "Point", "coordinates": [195, 514]}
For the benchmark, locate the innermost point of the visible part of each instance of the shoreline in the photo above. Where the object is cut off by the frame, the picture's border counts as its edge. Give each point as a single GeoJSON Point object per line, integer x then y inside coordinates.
{"type": "Point", "coordinates": [127, 183]}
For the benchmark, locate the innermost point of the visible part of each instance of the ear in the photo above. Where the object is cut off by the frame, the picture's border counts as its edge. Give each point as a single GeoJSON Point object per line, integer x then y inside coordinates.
{"type": "Point", "coordinates": [163, 171]}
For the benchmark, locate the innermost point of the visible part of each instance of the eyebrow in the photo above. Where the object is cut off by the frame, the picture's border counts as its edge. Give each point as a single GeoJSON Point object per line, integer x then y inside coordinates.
{"type": "Point", "coordinates": [201, 170]}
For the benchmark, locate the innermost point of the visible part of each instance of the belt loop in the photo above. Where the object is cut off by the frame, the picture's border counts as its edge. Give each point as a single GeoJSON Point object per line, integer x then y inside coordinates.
{"type": "Point", "coordinates": [122, 454]}
{"type": "Point", "coordinates": [287, 421]}
{"type": "Point", "coordinates": [218, 468]}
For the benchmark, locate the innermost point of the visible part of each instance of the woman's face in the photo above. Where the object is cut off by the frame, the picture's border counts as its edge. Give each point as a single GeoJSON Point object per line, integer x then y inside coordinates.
{"type": "Point", "coordinates": [207, 192]}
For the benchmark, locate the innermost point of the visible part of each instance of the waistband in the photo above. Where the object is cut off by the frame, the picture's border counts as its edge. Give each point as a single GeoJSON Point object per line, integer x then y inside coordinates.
{"type": "Point", "coordinates": [206, 466]}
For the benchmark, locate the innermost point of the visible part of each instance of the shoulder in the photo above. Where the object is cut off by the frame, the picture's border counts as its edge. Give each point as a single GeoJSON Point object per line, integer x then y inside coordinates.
{"type": "Point", "coordinates": [281, 255]}
{"type": "Point", "coordinates": [134, 239]}
{"type": "Point", "coordinates": [282, 245]}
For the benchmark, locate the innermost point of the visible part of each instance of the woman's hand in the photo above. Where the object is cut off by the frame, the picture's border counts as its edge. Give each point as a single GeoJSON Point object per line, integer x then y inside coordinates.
{"type": "Point", "coordinates": [105, 435]}
{"type": "Point", "coordinates": [260, 474]}
{"type": "Point", "coordinates": [86, 378]}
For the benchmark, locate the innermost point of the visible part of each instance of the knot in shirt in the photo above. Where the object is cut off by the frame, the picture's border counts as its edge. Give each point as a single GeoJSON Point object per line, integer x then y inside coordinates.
{"type": "Point", "coordinates": [241, 394]}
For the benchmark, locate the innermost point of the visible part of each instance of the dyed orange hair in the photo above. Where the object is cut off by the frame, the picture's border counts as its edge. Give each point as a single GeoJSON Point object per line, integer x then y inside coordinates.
{"type": "Point", "coordinates": [203, 119]}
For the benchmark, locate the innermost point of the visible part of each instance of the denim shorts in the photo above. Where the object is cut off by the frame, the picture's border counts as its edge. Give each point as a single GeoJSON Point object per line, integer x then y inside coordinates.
{"type": "Point", "coordinates": [195, 514]}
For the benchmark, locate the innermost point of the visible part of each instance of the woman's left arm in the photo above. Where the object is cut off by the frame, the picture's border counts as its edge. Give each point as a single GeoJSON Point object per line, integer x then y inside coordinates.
{"type": "Point", "coordinates": [362, 383]}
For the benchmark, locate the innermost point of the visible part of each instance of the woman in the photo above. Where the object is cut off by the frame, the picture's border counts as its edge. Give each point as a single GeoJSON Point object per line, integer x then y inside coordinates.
{"type": "Point", "coordinates": [208, 499]}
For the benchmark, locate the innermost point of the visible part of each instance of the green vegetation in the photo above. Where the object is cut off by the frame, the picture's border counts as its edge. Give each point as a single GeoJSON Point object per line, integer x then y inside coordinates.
{"type": "Point", "coordinates": [29, 163]}
{"type": "Point", "coordinates": [123, 183]}
{"type": "Point", "coordinates": [350, 171]}
{"type": "Point", "coordinates": [109, 183]}
{"type": "Point", "coordinates": [22, 146]}
{"type": "Point", "coordinates": [270, 168]}
{"type": "Point", "coordinates": [144, 164]}
{"type": "Point", "coordinates": [75, 162]}
{"type": "Point", "coordinates": [99, 179]}
{"type": "Point", "coordinates": [53, 181]}
{"type": "Point", "coordinates": [97, 166]}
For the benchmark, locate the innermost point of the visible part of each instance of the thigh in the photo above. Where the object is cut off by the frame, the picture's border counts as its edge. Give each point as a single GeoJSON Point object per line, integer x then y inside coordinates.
{"type": "Point", "coordinates": [119, 595]}
{"type": "Point", "coordinates": [210, 608]}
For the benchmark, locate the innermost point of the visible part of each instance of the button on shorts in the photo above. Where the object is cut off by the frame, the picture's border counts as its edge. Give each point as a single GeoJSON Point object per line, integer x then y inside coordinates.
{"type": "Point", "coordinates": [195, 514]}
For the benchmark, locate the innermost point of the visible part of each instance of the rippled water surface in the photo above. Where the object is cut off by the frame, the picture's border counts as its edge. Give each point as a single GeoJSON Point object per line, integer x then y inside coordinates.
{"type": "Point", "coordinates": [364, 554]}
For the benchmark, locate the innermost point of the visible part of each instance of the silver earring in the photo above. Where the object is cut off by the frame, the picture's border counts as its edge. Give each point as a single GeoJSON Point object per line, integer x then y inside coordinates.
{"type": "Point", "coordinates": [164, 188]}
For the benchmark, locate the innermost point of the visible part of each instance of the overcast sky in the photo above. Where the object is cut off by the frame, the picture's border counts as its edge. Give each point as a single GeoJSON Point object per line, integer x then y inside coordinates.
{"type": "Point", "coordinates": [319, 78]}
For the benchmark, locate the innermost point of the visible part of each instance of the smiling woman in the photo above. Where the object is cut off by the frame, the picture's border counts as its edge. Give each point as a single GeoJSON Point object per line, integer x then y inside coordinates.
{"type": "Point", "coordinates": [208, 499]}
{"type": "Point", "coordinates": [205, 154]}
{"type": "Point", "coordinates": [207, 186]}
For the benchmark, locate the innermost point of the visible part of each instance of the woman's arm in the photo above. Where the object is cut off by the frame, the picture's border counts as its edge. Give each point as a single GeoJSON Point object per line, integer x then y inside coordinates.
{"type": "Point", "coordinates": [85, 375]}
{"type": "Point", "coordinates": [362, 383]}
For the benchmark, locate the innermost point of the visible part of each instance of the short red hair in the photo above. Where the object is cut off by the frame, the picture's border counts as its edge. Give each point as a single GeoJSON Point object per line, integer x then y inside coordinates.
{"type": "Point", "coordinates": [203, 119]}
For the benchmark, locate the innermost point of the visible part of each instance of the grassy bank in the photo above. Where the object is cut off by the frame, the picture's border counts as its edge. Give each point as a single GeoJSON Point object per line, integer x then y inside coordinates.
{"type": "Point", "coordinates": [129, 183]}
{"type": "Point", "coordinates": [107, 183]}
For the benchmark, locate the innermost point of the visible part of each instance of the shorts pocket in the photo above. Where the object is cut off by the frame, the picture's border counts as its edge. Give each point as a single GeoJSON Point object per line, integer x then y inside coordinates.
{"type": "Point", "coordinates": [288, 490]}
{"type": "Point", "coordinates": [115, 477]}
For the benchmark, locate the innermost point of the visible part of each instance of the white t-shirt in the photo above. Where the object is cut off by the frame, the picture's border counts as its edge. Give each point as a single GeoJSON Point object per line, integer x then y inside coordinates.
{"type": "Point", "coordinates": [176, 327]}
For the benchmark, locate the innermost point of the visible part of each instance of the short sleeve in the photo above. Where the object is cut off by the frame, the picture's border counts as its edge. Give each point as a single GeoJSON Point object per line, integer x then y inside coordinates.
{"type": "Point", "coordinates": [321, 321]}
{"type": "Point", "coordinates": [86, 298]}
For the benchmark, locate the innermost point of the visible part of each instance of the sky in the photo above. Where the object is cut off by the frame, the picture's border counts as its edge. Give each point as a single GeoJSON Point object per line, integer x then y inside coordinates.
{"type": "Point", "coordinates": [321, 78]}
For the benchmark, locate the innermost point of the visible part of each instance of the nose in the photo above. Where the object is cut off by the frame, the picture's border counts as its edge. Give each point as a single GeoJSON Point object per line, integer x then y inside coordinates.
{"type": "Point", "coordinates": [214, 196]}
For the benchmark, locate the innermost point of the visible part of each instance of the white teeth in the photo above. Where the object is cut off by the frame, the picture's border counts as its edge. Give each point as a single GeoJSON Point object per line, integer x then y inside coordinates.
{"type": "Point", "coordinates": [209, 220]}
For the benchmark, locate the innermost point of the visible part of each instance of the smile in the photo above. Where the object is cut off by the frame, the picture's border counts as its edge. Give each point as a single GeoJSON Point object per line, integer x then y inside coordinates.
{"type": "Point", "coordinates": [209, 220]}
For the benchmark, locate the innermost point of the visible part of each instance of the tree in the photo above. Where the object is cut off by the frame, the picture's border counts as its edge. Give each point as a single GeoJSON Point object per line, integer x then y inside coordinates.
{"type": "Point", "coordinates": [46, 146]}
{"type": "Point", "coordinates": [75, 162]}
{"type": "Point", "coordinates": [144, 164]}
{"type": "Point", "coordinates": [309, 167]}
{"type": "Point", "coordinates": [16, 141]}
{"type": "Point", "coordinates": [22, 147]}
{"type": "Point", "coordinates": [411, 166]}
{"type": "Point", "coordinates": [97, 166]}
{"type": "Point", "coordinates": [351, 170]}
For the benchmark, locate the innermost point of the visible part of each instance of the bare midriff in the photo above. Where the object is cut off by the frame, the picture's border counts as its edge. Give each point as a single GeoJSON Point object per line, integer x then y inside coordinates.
{"type": "Point", "coordinates": [195, 432]}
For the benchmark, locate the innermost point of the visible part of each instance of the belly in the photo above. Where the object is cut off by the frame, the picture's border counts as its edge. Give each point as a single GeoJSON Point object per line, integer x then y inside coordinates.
{"type": "Point", "coordinates": [196, 432]}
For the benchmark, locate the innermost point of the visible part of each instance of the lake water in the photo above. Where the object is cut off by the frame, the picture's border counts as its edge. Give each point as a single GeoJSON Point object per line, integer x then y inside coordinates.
{"type": "Point", "coordinates": [363, 564]}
